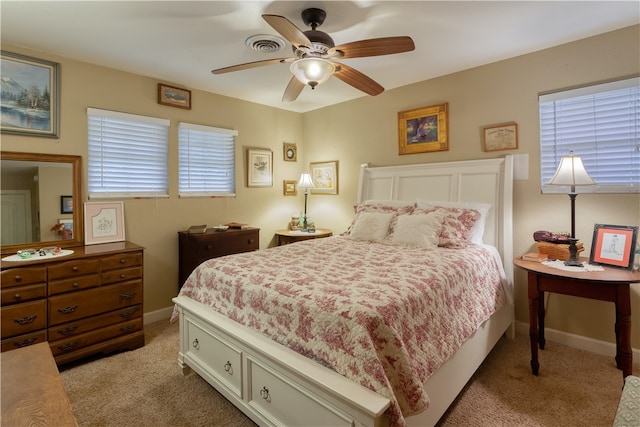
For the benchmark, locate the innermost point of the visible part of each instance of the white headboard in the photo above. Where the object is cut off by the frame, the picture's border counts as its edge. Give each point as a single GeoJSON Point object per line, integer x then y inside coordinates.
{"type": "Point", "coordinates": [474, 181]}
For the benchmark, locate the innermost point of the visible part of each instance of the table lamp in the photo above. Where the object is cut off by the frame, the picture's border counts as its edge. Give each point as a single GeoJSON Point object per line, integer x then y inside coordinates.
{"type": "Point", "coordinates": [305, 182]}
{"type": "Point", "coordinates": [571, 172]}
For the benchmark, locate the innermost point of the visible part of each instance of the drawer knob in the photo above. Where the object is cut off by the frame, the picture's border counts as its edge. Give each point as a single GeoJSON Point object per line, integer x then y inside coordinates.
{"type": "Point", "coordinates": [75, 268]}
{"type": "Point", "coordinates": [25, 343]}
{"type": "Point", "coordinates": [75, 285]}
{"type": "Point", "coordinates": [128, 328]}
{"type": "Point", "coordinates": [128, 314]}
{"type": "Point", "coordinates": [264, 393]}
{"type": "Point", "coordinates": [26, 319]}
{"type": "Point", "coordinates": [128, 295]}
{"type": "Point", "coordinates": [122, 260]}
{"type": "Point", "coordinates": [68, 346]}
{"type": "Point", "coordinates": [196, 344]}
{"type": "Point", "coordinates": [228, 368]}
{"type": "Point", "coordinates": [17, 296]}
{"type": "Point", "coordinates": [250, 241]}
{"type": "Point", "coordinates": [67, 331]}
{"type": "Point", "coordinates": [18, 278]}
{"type": "Point", "coordinates": [68, 310]}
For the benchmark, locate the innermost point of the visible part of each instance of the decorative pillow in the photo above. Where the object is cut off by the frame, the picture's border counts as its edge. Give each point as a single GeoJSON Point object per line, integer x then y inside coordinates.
{"type": "Point", "coordinates": [477, 232]}
{"type": "Point", "coordinates": [418, 230]}
{"type": "Point", "coordinates": [381, 206]}
{"type": "Point", "coordinates": [371, 226]}
{"type": "Point", "coordinates": [456, 227]}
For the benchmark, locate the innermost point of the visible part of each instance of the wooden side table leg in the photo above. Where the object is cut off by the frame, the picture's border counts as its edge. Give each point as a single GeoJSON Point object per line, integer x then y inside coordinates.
{"type": "Point", "coordinates": [541, 313]}
{"type": "Point", "coordinates": [624, 356]}
{"type": "Point", "coordinates": [533, 320]}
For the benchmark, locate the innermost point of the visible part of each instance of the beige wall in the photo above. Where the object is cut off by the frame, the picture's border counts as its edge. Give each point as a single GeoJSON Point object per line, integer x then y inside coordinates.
{"type": "Point", "coordinates": [355, 132]}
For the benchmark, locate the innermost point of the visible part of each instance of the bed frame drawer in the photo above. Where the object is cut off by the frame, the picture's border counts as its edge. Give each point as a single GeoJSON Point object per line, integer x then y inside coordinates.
{"type": "Point", "coordinates": [221, 359]}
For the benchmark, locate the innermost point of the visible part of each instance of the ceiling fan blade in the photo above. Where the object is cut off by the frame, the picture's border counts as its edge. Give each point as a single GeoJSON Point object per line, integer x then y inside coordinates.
{"type": "Point", "coordinates": [293, 90]}
{"type": "Point", "coordinates": [355, 78]}
{"type": "Point", "coordinates": [288, 30]}
{"type": "Point", "coordinates": [374, 47]}
{"type": "Point", "coordinates": [249, 65]}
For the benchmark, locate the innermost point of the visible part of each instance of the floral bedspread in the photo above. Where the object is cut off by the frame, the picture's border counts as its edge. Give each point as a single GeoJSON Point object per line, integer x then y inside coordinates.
{"type": "Point", "coordinates": [384, 316]}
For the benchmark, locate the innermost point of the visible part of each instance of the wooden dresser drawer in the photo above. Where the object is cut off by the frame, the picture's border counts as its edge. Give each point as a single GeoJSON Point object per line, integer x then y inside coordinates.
{"type": "Point", "coordinates": [23, 276]}
{"type": "Point", "coordinates": [80, 341]}
{"type": "Point", "coordinates": [77, 305]}
{"type": "Point", "coordinates": [94, 322]}
{"type": "Point", "coordinates": [22, 318]}
{"type": "Point", "coordinates": [73, 284]}
{"type": "Point", "coordinates": [73, 268]}
{"type": "Point", "coordinates": [121, 275]}
{"type": "Point", "coordinates": [121, 261]}
{"type": "Point", "coordinates": [21, 294]}
{"type": "Point", "coordinates": [23, 340]}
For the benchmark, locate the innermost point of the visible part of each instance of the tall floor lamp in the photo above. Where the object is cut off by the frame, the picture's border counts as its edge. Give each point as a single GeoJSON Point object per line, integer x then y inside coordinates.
{"type": "Point", "coordinates": [305, 182]}
{"type": "Point", "coordinates": [571, 172]}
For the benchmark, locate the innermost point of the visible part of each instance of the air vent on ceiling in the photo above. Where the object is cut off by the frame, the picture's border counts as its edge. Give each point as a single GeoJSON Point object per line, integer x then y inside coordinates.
{"type": "Point", "coordinates": [265, 43]}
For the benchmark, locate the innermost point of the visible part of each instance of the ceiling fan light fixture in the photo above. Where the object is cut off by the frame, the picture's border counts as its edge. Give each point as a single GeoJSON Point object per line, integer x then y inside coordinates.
{"type": "Point", "coordinates": [312, 71]}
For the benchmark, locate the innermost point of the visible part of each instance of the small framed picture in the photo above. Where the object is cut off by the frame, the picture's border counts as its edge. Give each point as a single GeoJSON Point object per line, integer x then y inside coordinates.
{"type": "Point", "coordinates": [325, 177]}
{"type": "Point", "coordinates": [290, 152]}
{"type": "Point", "coordinates": [259, 167]}
{"type": "Point", "coordinates": [104, 222]}
{"type": "Point", "coordinates": [613, 245]}
{"type": "Point", "coordinates": [424, 130]}
{"type": "Point", "coordinates": [66, 204]}
{"type": "Point", "coordinates": [501, 137]}
{"type": "Point", "coordinates": [289, 188]}
{"type": "Point", "coordinates": [174, 96]}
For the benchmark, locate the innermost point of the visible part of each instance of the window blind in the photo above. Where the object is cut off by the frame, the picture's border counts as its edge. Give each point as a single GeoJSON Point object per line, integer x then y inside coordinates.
{"type": "Point", "coordinates": [128, 155]}
{"type": "Point", "coordinates": [599, 123]}
{"type": "Point", "coordinates": [206, 161]}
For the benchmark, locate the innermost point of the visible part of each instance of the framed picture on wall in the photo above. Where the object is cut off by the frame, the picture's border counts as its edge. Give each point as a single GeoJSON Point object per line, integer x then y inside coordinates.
{"type": "Point", "coordinates": [259, 167]}
{"type": "Point", "coordinates": [423, 130]}
{"type": "Point", "coordinates": [66, 204]}
{"type": "Point", "coordinates": [30, 99]}
{"type": "Point", "coordinates": [174, 96]}
{"type": "Point", "coordinates": [500, 137]}
{"type": "Point", "coordinates": [325, 177]}
{"type": "Point", "coordinates": [613, 245]}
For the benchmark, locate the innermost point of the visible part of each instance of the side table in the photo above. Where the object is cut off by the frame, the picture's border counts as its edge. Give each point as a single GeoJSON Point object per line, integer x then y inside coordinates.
{"type": "Point", "coordinates": [284, 237]}
{"type": "Point", "coordinates": [611, 285]}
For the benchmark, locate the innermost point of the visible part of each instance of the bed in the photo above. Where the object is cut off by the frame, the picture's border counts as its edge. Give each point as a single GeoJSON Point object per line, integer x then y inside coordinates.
{"type": "Point", "coordinates": [334, 331]}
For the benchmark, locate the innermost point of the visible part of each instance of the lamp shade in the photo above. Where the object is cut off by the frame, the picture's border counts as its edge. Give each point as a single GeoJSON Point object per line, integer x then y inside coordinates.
{"type": "Point", "coordinates": [305, 181]}
{"type": "Point", "coordinates": [571, 172]}
{"type": "Point", "coordinates": [312, 71]}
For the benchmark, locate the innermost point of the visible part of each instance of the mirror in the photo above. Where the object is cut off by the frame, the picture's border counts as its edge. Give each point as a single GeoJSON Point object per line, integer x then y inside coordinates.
{"type": "Point", "coordinates": [41, 201]}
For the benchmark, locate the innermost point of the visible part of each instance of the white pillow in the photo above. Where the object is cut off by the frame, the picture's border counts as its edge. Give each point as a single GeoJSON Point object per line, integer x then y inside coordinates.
{"type": "Point", "coordinates": [391, 203]}
{"type": "Point", "coordinates": [418, 230]}
{"type": "Point", "coordinates": [371, 226]}
{"type": "Point", "coordinates": [477, 231]}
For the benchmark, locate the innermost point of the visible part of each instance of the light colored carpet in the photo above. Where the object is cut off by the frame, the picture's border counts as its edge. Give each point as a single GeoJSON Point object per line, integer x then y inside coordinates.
{"type": "Point", "coordinates": [145, 387]}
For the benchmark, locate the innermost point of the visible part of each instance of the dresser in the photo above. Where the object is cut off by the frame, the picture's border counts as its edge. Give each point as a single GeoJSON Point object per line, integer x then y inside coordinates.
{"type": "Point", "coordinates": [195, 248]}
{"type": "Point", "coordinates": [85, 303]}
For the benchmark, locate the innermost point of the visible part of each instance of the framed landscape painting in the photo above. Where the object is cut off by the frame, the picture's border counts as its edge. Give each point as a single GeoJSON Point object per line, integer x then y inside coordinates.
{"type": "Point", "coordinates": [30, 97]}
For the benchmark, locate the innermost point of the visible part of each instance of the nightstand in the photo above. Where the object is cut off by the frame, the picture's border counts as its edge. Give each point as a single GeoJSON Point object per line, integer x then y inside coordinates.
{"type": "Point", "coordinates": [284, 237]}
{"type": "Point", "coordinates": [611, 285]}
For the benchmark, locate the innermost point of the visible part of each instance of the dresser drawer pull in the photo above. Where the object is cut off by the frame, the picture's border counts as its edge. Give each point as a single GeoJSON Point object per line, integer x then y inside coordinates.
{"type": "Point", "coordinates": [127, 328]}
{"type": "Point", "coordinates": [128, 314]}
{"type": "Point", "coordinates": [68, 346]}
{"type": "Point", "coordinates": [264, 393]}
{"type": "Point", "coordinates": [128, 295]}
{"type": "Point", "coordinates": [18, 278]}
{"type": "Point", "coordinates": [196, 344]}
{"type": "Point", "coordinates": [68, 310]}
{"type": "Point", "coordinates": [74, 268]}
{"type": "Point", "coordinates": [25, 343]}
{"type": "Point", "coordinates": [67, 331]}
{"type": "Point", "coordinates": [228, 368]}
{"type": "Point", "coordinates": [26, 319]}
{"type": "Point", "coordinates": [17, 296]}
{"type": "Point", "coordinates": [250, 241]}
{"type": "Point", "coordinates": [75, 284]}
{"type": "Point", "coordinates": [123, 261]}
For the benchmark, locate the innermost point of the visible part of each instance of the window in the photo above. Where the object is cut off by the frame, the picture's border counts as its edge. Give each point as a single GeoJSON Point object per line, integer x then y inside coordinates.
{"type": "Point", "coordinates": [128, 155]}
{"type": "Point", "coordinates": [601, 124]}
{"type": "Point", "coordinates": [206, 161]}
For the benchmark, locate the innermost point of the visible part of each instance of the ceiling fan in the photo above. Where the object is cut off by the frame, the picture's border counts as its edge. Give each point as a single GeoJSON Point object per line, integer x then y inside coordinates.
{"type": "Point", "coordinates": [316, 54]}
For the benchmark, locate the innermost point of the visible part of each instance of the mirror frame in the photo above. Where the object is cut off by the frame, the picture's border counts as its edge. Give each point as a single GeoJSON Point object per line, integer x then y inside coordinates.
{"type": "Point", "coordinates": [78, 229]}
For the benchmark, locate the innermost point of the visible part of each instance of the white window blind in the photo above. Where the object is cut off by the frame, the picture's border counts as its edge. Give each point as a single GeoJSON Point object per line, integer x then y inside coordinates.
{"type": "Point", "coordinates": [599, 123]}
{"type": "Point", "coordinates": [128, 155]}
{"type": "Point", "coordinates": [206, 161]}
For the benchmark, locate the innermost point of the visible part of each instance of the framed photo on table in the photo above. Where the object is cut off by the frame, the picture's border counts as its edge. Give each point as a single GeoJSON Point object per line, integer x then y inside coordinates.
{"type": "Point", "coordinates": [613, 245]}
{"type": "Point", "coordinates": [103, 222]}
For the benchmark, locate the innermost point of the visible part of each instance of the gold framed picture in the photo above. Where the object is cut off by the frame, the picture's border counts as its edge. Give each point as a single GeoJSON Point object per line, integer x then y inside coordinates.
{"type": "Point", "coordinates": [289, 188]}
{"type": "Point", "coordinates": [424, 130]}
{"type": "Point", "coordinates": [289, 152]}
{"type": "Point", "coordinates": [174, 96]}
{"type": "Point", "coordinates": [325, 177]}
{"type": "Point", "coordinates": [500, 137]}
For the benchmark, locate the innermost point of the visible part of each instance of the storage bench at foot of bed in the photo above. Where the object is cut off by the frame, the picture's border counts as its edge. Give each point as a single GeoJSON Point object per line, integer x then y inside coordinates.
{"type": "Point", "coordinates": [270, 383]}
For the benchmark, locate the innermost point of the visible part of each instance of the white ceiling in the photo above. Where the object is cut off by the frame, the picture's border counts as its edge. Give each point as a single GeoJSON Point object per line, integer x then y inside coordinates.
{"type": "Point", "coordinates": [180, 42]}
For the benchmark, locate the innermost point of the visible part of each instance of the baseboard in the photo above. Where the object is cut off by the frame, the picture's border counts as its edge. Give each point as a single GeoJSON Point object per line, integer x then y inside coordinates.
{"type": "Point", "coordinates": [603, 348]}
{"type": "Point", "coordinates": [158, 315]}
